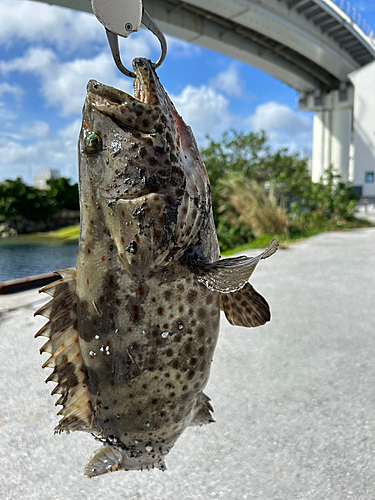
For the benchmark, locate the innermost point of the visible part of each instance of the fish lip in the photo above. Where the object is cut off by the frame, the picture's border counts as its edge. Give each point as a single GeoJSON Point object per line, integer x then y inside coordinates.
{"type": "Point", "coordinates": [120, 106]}
{"type": "Point", "coordinates": [115, 96]}
{"type": "Point", "coordinates": [142, 87]}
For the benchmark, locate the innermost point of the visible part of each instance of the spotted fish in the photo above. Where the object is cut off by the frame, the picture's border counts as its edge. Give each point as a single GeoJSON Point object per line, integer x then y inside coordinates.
{"type": "Point", "coordinates": [132, 330]}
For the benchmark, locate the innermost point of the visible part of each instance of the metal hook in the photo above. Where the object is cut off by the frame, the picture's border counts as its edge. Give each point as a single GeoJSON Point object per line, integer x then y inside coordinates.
{"type": "Point", "coordinates": [152, 26]}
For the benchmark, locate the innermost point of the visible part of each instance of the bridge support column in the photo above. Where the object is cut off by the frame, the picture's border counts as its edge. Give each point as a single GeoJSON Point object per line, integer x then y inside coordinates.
{"type": "Point", "coordinates": [332, 131]}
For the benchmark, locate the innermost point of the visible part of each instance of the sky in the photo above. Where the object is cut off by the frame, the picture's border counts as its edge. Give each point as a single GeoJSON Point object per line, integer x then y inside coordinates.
{"type": "Point", "coordinates": [48, 54]}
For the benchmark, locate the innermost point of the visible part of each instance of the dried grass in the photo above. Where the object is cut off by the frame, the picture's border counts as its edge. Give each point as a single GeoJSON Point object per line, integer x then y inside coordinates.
{"type": "Point", "coordinates": [258, 209]}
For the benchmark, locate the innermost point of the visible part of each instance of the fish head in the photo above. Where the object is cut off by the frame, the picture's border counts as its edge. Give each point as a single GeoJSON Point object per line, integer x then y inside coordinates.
{"type": "Point", "coordinates": [139, 162]}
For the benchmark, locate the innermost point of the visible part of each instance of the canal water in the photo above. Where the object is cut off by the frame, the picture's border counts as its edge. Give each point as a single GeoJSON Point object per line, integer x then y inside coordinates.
{"type": "Point", "coordinates": [20, 260]}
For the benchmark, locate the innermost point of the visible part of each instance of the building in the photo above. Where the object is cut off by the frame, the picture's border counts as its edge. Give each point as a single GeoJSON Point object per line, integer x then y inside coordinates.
{"type": "Point", "coordinates": [40, 180]}
{"type": "Point", "coordinates": [364, 130]}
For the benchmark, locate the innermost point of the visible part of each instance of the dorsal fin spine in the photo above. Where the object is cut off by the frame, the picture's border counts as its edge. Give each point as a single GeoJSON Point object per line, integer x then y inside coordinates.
{"type": "Point", "coordinates": [66, 359]}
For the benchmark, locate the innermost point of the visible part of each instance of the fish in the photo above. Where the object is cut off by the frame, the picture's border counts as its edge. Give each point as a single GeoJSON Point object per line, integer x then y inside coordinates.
{"type": "Point", "coordinates": [133, 328]}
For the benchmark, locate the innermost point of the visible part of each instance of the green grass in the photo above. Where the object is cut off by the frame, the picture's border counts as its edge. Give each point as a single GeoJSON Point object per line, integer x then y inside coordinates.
{"type": "Point", "coordinates": [64, 234]}
{"type": "Point", "coordinates": [68, 234]}
{"type": "Point", "coordinates": [285, 241]}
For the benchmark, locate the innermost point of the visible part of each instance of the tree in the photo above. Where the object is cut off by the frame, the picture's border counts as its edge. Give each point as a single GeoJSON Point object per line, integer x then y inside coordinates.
{"type": "Point", "coordinates": [244, 172]}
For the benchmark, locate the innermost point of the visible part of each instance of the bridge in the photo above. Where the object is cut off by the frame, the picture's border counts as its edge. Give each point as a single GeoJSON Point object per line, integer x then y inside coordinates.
{"type": "Point", "coordinates": [321, 48]}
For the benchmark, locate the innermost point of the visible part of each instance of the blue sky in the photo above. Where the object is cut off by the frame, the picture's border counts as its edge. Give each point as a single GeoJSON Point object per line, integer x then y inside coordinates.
{"type": "Point", "coordinates": [47, 55]}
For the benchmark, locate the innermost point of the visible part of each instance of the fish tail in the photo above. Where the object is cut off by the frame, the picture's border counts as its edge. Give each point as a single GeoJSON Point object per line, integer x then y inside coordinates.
{"type": "Point", "coordinates": [110, 459]}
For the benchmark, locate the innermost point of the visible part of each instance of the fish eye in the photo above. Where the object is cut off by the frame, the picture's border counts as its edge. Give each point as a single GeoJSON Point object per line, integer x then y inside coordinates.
{"type": "Point", "coordinates": [92, 143]}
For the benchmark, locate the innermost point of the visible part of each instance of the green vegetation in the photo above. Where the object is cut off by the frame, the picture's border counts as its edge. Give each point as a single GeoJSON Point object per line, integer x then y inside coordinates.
{"type": "Point", "coordinates": [68, 234]}
{"type": "Point", "coordinates": [258, 195]}
{"type": "Point", "coordinates": [19, 199]}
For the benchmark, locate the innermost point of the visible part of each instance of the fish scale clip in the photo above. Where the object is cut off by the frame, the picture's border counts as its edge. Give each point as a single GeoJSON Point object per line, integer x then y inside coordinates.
{"type": "Point", "coordinates": [121, 18]}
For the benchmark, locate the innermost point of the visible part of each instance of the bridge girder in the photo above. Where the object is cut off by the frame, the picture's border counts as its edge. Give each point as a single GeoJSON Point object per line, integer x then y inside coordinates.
{"type": "Point", "coordinates": [292, 40]}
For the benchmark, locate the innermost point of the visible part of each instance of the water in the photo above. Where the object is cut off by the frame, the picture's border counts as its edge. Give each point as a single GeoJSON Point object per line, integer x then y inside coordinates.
{"type": "Point", "coordinates": [18, 261]}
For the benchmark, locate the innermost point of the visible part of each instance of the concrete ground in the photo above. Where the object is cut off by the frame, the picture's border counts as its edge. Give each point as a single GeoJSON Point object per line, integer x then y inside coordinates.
{"type": "Point", "coordinates": [294, 400]}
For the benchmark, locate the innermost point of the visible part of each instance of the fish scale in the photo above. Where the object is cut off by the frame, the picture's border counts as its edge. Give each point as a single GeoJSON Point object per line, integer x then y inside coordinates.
{"type": "Point", "coordinates": [132, 330]}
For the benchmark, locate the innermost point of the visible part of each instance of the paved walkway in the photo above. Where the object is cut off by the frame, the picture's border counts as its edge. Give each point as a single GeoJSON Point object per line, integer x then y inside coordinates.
{"type": "Point", "coordinates": [294, 400]}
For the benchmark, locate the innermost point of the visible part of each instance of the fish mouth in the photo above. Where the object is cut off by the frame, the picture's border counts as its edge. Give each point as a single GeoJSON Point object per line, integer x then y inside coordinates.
{"type": "Point", "coordinates": [123, 108]}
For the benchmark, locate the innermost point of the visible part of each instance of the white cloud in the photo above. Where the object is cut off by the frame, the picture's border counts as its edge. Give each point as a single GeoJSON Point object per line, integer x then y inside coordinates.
{"type": "Point", "coordinates": [15, 90]}
{"type": "Point", "coordinates": [205, 110]}
{"type": "Point", "coordinates": [64, 29]}
{"type": "Point", "coordinates": [5, 113]}
{"type": "Point", "coordinates": [38, 129]}
{"type": "Point", "coordinates": [63, 84]}
{"type": "Point", "coordinates": [229, 82]}
{"type": "Point", "coordinates": [285, 127]}
{"type": "Point", "coordinates": [179, 48]}
{"type": "Point", "coordinates": [57, 152]}
{"type": "Point", "coordinates": [37, 22]}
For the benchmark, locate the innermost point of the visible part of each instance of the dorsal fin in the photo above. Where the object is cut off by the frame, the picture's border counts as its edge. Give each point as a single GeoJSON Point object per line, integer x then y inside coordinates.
{"type": "Point", "coordinates": [65, 359]}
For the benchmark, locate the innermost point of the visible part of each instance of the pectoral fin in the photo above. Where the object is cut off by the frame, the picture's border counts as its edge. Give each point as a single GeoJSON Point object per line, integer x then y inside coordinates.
{"type": "Point", "coordinates": [245, 307]}
{"type": "Point", "coordinates": [230, 275]}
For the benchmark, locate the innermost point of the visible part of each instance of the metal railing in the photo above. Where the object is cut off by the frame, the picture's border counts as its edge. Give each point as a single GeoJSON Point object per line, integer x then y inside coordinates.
{"type": "Point", "coordinates": [356, 17]}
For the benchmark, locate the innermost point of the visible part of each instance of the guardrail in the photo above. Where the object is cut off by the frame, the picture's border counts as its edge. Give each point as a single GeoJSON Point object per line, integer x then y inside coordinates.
{"type": "Point", "coordinates": [356, 17]}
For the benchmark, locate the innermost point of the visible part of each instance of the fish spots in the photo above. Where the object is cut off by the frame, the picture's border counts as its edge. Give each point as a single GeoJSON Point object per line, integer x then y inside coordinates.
{"type": "Point", "coordinates": [201, 351]}
{"type": "Point", "coordinates": [91, 222]}
{"type": "Point", "coordinates": [200, 331]}
{"type": "Point", "coordinates": [88, 251]}
{"type": "Point", "coordinates": [103, 258]}
{"type": "Point", "coordinates": [122, 213]}
{"type": "Point", "coordinates": [169, 353]}
{"type": "Point", "coordinates": [111, 280]}
{"type": "Point", "coordinates": [160, 311]}
{"type": "Point", "coordinates": [192, 295]}
{"type": "Point", "coordinates": [83, 263]}
{"type": "Point", "coordinates": [167, 295]}
{"type": "Point", "coordinates": [115, 401]}
{"type": "Point", "coordinates": [101, 299]}
{"type": "Point", "coordinates": [104, 231]}
{"type": "Point", "coordinates": [209, 298]}
{"type": "Point", "coordinates": [122, 240]}
{"type": "Point", "coordinates": [88, 281]}
{"type": "Point", "coordinates": [131, 396]}
{"type": "Point", "coordinates": [202, 313]}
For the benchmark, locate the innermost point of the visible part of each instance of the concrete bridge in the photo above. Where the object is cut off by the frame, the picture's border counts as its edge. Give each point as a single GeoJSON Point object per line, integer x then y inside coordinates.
{"type": "Point", "coordinates": [321, 48]}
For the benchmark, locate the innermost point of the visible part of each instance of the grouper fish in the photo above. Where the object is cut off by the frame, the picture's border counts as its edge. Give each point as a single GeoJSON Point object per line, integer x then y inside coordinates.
{"type": "Point", "coordinates": [132, 330]}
